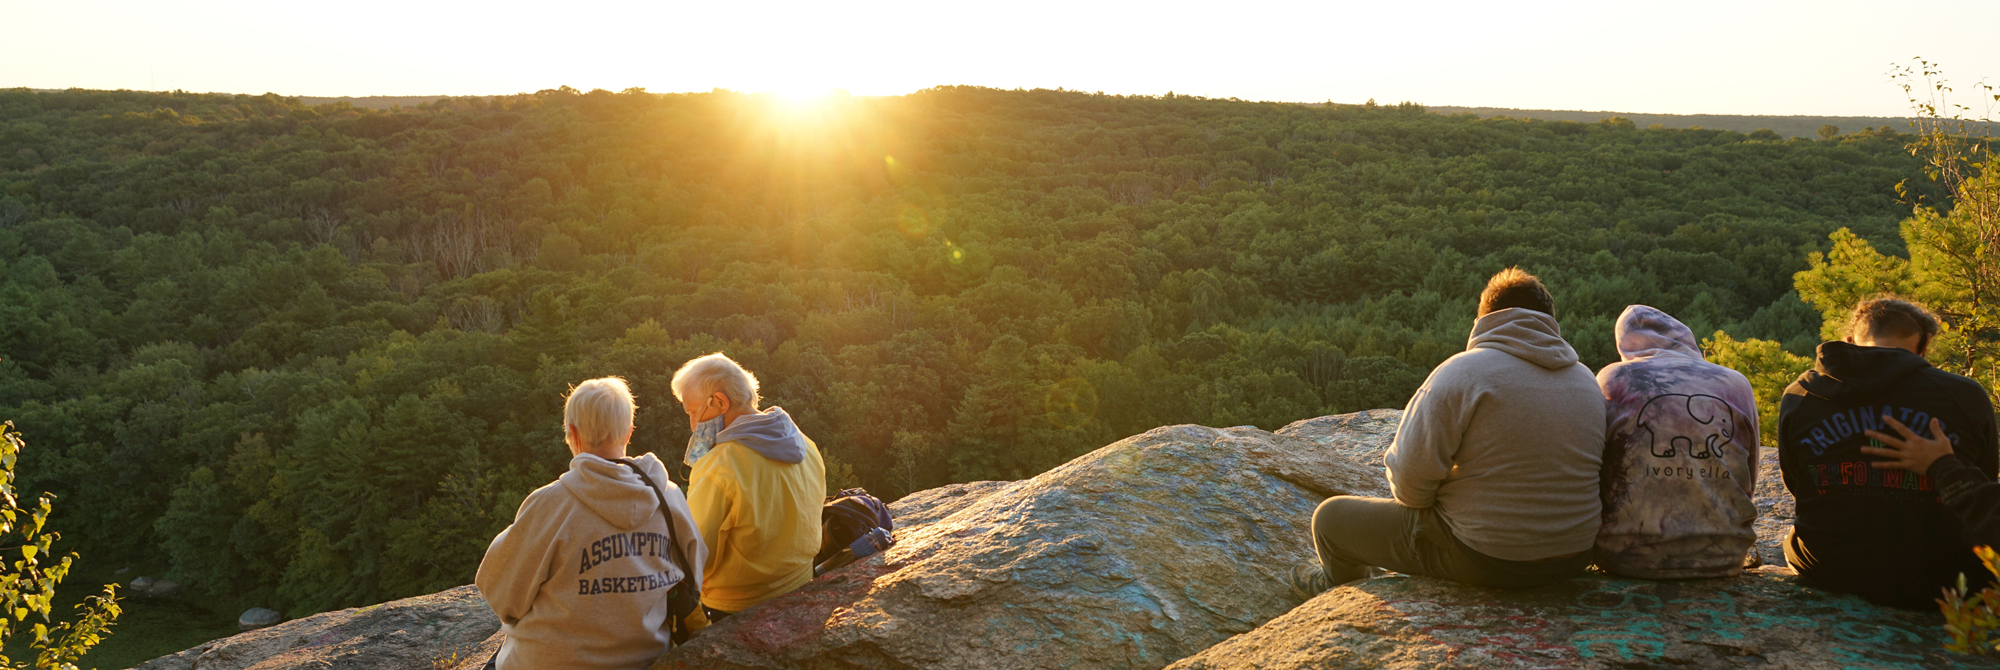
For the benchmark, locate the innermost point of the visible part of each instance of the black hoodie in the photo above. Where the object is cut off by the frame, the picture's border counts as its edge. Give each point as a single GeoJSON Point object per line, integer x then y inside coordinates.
{"type": "Point", "coordinates": [1973, 496]}
{"type": "Point", "coordinates": [1878, 532]}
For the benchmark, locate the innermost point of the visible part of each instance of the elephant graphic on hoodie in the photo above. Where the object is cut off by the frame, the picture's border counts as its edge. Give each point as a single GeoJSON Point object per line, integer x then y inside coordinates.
{"type": "Point", "coordinates": [1679, 424]}
{"type": "Point", "coordinates": [1679, 459]}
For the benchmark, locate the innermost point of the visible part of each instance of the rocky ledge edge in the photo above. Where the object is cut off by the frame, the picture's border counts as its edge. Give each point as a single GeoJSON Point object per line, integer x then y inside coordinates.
{"type": "Point", "coordinates": [1167, 549]}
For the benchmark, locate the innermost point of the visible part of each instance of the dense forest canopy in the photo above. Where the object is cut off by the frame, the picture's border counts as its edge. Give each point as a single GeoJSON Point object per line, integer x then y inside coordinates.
{"type": "Point", "coordinates": [314, 356]}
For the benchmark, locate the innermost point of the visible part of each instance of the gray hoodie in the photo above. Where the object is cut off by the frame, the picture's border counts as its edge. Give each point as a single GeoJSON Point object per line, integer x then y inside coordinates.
{"type": "Point", "coordinates": [1680, 465]}
{"type": "Point", "coordinates": [1505, 440]}
{"type": "Point", "coordinates": [580, 579]}
{"type": "Point", "coordinates": [770, 433]}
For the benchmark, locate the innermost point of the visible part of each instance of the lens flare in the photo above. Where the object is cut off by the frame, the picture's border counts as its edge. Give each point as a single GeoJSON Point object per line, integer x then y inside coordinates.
{"type": "Point", "coordinates": [1071, 403]}
{"type": "Point", "coordinates": [913, 222]}
{"type": "Point", "coordinates": [895, 169]}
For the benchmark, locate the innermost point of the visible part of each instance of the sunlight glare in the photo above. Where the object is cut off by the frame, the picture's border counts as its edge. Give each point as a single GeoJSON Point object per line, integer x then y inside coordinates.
{"type": "Point", "coordinates": [804, 93]}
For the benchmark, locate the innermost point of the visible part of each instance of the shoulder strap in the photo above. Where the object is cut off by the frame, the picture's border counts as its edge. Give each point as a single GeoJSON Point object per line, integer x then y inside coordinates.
{"type": "Point", "coordinates": [685, 597]}
{"type": "Point", "coordinates": [673, 536]}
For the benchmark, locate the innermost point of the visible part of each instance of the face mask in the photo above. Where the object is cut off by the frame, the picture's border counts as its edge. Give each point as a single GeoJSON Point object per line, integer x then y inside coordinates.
{"type": "Point", "coordinates": [702, 440]}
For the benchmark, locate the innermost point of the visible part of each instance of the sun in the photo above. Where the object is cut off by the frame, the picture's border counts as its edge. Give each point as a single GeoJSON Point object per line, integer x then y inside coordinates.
{"type": "Point", "coordinates": [802, 93]}
{"type": "Point", "coordinates": [809, 101]}
{"type": "Point", "coordinates": [807, 108]}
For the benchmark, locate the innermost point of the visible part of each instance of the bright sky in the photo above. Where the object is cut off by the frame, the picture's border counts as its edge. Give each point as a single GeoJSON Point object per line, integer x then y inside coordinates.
{"type": "Point", "coordinates": [1823, 57]}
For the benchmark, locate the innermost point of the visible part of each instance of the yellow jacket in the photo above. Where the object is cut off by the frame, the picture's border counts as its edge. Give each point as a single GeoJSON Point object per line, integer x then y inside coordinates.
{"type": "Point", "coordinates": [760, 520]}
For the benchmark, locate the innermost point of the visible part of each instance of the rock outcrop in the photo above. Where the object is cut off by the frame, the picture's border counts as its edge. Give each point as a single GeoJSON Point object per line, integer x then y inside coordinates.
{"type": "Point", "coordinates": [448, 629]}
{"type": "Point", "coordinates": [1760, 620]}
{"type": "Point", "coordinates": [1133, 556]}
{"type": "Point", "coordinates": [923, 507]}
{"type": "Point", "coordinates": [1168, 549]}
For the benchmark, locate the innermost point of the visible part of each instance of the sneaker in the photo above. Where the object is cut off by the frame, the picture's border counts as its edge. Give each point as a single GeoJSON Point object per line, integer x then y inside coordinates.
{"type": "Point", "coordinates": [1309, 579]}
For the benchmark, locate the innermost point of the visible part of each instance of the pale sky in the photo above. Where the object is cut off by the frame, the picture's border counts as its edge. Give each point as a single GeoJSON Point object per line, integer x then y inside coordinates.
{"type": "Point", "coordinates": [1744, 57]}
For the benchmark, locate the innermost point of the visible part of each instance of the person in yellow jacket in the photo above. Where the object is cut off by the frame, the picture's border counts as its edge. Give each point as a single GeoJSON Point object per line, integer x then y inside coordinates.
{"type": "Point", "coordinates": [756, 488]}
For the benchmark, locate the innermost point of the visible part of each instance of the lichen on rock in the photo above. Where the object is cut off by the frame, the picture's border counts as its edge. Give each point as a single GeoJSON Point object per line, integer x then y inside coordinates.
{"type": "Point", "coordinates": [441, 630]}
{"type": "Point", "coordinates": [1761, 619]}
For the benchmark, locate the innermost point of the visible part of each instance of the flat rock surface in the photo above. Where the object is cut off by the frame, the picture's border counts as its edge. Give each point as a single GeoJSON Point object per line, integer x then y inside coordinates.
{"type": "Point", "coordinates": [441, 630]}
{"type": "Point", "coordinates": [1133, 556]}
{"type": "Point", "coordinates": [1361, 437]}
{"type": "Point", "coordinates": [929, 505]}
{"type": "Point", "coordinates": [1759, 620]}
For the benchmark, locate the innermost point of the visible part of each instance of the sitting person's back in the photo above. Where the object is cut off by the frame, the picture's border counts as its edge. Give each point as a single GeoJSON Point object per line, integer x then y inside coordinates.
{"type": "Point", "coordinates": [1680, 464]}
{"type": "Point", "coordinates": [1494, 467]}
{"type": "Point", "coordinates": [1506, 440]}
{"type": "Point", "coordinates": [581, 578]}
{"type": "Point", "coordinates": [1879, 532]}
{"type": "Point", "coordinates": [756, 488]}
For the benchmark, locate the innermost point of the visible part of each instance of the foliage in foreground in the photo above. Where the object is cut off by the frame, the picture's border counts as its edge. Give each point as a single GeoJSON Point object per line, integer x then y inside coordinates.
{"type": "Point", "coordinates": [1972, 619]}
{"type": "Point", "coordinates": [28, 589]}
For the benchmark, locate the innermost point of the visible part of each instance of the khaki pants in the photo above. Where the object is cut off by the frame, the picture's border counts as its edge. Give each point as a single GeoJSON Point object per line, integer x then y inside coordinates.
{"type": "Point", "coordinates": [1352, 533]}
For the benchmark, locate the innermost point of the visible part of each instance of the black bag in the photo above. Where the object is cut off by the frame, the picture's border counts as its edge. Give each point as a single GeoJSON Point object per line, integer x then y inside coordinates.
{"type": "Point", "coordinates": [853, 526]}
{"type": "Point", "coordinates": [684, 597]}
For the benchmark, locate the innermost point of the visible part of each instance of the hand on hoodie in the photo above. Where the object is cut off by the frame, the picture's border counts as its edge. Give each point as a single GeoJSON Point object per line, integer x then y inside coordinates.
{"type": "Point", "coordinates": [1912, 452]}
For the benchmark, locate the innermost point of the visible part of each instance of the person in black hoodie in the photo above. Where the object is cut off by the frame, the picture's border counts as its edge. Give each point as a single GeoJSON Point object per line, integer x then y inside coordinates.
{"type": "Point", "coordinates": [1874, 531]}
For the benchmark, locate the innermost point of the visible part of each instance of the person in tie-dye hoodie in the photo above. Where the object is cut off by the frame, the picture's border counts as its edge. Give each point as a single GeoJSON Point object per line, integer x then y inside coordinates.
{"type": "Point", "coordinates": [1681, 456]}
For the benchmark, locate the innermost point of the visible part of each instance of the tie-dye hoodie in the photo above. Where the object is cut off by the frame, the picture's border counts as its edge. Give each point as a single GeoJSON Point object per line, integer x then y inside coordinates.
{"type": "Point", "coordinates": [1681, 456]}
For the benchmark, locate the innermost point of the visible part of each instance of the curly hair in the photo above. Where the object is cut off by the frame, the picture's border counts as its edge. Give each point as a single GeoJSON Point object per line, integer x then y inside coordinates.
{"type": "Point", "coordinates": [1514, 288]}
{"type": "Point", "coordinates": [1892, 316]}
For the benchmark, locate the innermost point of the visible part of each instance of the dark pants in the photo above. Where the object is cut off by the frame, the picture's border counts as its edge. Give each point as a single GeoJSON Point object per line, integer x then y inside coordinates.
{"type": "Point", "coordinates": [1352, 533]}
{"type": "Point", "coordinates": [1906, 586]}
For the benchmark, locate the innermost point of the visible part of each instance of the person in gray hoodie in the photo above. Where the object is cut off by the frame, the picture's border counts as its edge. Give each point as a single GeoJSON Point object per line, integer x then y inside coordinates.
{"type": "Point", "coordinates": [581, 578]}
{"type": "Point", "coordinates": [1681, 464]}
{"type": "Point", "coordinates": [1494, 468]}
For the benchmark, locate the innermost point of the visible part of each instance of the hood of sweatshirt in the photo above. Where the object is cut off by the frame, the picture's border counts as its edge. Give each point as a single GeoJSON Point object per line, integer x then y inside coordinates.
{"type": "Point", "coordinates": [1527, 334]}
{"type": "Point", "coordinates": [1644, 332]}
{"type": "Point", "coordinates": [1843, 370]}
{"type": "Point", "coordinates": [770, 433]}
{"type": "Point", "coordinates": [613, 491]}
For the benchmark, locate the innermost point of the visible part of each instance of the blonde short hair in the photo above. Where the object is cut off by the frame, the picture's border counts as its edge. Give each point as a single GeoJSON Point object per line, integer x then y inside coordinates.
{"type": "Point", "coordinates": [715, 372]}
{"type": "Point", "coordinates": [601, 409]}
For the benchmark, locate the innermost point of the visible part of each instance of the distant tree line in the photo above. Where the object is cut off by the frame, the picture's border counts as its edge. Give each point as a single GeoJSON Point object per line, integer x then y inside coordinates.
{"type": "Point", "coordinates": [1808, 127]}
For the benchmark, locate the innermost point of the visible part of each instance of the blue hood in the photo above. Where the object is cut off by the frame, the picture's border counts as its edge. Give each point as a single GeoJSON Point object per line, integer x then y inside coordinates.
{"type": "Point", "coordinates": [770, 433]}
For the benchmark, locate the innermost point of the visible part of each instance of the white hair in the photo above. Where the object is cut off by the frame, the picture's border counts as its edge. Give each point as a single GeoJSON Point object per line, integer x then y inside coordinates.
{"type": "Point", "coordinates": [715, 372]}
{"type": "Point", "coordinates": [601, 409]}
